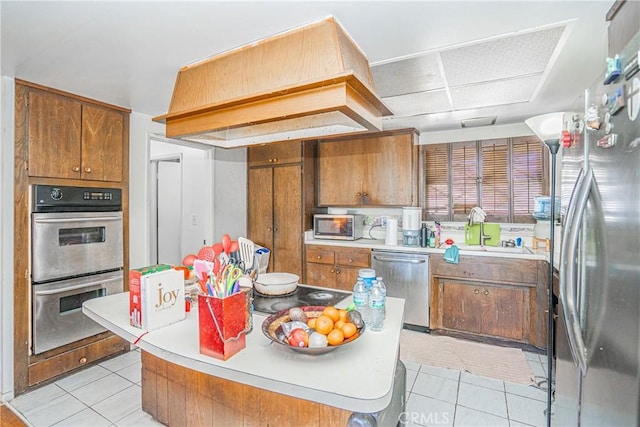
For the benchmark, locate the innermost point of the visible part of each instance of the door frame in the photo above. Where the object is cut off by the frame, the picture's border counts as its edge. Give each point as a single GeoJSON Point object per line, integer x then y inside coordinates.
{"type": "Point", "coordinates": [153, 202]}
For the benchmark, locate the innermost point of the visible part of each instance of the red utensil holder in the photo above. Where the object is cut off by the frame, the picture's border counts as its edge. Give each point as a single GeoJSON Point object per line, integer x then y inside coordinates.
{"type": "Point", "coordinates": [223, 323]}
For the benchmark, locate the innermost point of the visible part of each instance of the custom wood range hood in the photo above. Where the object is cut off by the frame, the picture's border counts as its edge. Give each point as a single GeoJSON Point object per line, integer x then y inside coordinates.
{"type": "Point", "coordinates": [311, 81]}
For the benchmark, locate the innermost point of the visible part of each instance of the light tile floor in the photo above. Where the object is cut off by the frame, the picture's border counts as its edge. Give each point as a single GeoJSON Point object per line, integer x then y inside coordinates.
{"type": "Point", "coordinates": [109, 394]}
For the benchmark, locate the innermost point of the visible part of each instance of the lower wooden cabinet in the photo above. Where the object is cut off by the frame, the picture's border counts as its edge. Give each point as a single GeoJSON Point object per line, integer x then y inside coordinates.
{"type": "Point", "coordinates": [491, 310]}
{"type": "Point", "coordinates": [335, 267]}
{"type": "Point", "coordinates": [490, 296]}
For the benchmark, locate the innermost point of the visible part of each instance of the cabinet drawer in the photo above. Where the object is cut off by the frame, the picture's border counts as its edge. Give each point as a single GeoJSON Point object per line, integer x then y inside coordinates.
{"type": "Point", "coordinates": [320, 256]}
{"type": "Point", "coordinates": [355, 258]}
{"type": "Point", "coordinates": [493, 269]}
{"type": "Point", "coordinates": [76, 358]}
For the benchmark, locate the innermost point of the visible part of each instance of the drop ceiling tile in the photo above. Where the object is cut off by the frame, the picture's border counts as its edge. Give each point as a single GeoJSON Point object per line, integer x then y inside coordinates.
{"type": "Point", "coordinates": [517, 55]}
{"type": "Point", "coordinates": [495, 93]}
{"type": "Point", "coordinates": [417, 74]}
{"type": "Point", "coordinates": [435, 101]}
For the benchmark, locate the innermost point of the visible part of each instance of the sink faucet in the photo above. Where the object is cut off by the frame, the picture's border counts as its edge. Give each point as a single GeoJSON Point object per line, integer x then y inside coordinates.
{"type": "Point", "coordinates": [483, 237]}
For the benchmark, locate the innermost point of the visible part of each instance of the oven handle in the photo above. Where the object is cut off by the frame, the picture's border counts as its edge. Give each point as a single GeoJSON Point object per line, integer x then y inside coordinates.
{"type": "Point", "coordinates": [73, 288]}
{"type": "Point", "coordinates": [404, 260]}
{"type": "Point", "coordinates": [58, 220]}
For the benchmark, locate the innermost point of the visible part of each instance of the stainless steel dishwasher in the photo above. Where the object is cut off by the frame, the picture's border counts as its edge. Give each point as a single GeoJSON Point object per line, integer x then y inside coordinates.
{"type": "Point", "coordinates": [406, 275]}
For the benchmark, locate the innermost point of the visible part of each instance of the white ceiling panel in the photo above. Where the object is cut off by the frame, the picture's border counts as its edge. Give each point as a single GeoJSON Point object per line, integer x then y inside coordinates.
{"type": "Point", "coordinates": [413, 104]}
{"type": "Point", "coordinates": [494, 93]}
{"type": "Point", "coordinates": [503, 58]}
{"type": "Point", "coordinates": [410, 75]}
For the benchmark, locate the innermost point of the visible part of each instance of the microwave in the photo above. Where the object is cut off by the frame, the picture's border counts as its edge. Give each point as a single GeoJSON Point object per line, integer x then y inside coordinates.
{"type": "Point", "coordinates": [338, 227]}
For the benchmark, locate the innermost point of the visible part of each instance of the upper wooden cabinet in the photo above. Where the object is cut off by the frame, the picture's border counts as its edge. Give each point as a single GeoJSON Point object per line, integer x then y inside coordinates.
{"type": "Point", "coordinates": [72, 139]}
{"type": "Point", "coordinates": [275, 154]}
{"type": "Point", "coordinates": [380, 169]}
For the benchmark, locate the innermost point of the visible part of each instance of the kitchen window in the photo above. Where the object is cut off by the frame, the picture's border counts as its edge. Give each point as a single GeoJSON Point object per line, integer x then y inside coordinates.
{"type": "Point", "coordinates": [502, 176]}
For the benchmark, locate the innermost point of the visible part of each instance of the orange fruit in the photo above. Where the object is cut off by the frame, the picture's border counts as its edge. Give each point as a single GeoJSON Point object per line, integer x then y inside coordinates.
{"type": "Point", "coordinates": [338, 324]}
{"type": "Point", "coordinates": [343, 314]}
{"type": "Point", "coordinates": [335, 337]}
{"type": "Point", "coordinates": [349, 330]}
{"type": "Point", "coordinates": [332, 312]}
{"type": "Point", "coordinates": [324, 324]}
{"type": "Point", "coordinates": [311, 323]}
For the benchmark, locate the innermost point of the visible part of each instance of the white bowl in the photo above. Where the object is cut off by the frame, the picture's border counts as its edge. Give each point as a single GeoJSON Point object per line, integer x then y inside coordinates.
{"type": "Point", "coordinates": [276, 283]}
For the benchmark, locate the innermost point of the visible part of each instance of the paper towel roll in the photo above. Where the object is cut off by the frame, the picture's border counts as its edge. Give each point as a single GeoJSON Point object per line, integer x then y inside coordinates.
{"type": "Point", "coordinates": [391, 237]}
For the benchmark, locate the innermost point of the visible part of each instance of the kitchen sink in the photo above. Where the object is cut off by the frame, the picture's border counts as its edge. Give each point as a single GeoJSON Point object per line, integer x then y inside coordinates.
{"type": "Point", "coordinates": [500, 249]}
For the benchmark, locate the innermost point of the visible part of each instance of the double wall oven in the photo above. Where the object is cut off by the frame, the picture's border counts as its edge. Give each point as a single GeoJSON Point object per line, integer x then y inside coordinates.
{"type": "Point", "coordinates": [76, 255]}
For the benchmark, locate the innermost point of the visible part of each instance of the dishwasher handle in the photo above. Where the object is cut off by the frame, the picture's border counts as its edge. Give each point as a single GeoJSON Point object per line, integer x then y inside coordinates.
{"type": "Point", "coordinates": [404, 260]}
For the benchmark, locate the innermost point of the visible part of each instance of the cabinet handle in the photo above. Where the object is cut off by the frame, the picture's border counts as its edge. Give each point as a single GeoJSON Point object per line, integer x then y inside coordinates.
{"type": "Point", "coordinates": [332, 270]}
{"type": "Point", "coordinates": [76, 168]}
{"type": "Point", "coordinates": [485, 292]}
{"type": "Point", "coordinates": [364, 194]}
{"type": "Point", "coordinates": [359, 194]}
{"type": "Point", "coordinates": [270, 160]}
{"type": "Point", "coordinates": [82, 360]}
{"type": "Point", "coordinates": [319, 257]}
{"type": "Point", "coordinates": [275, 228]}
{"type": "Point", "coordinates": [337, 271]}
{"type": "Point", "coordinates": [476, 291]}
{"type": "Point", "coordinates": [350, 261]}
{"type": "Point", "coordinates": [87, 170]}
{"type": "Point", "coordinates": [269, 229]}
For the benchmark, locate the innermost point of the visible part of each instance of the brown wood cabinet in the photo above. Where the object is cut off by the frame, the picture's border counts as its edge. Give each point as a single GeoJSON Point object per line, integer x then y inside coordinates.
{"type": "Point", "coordinates": [335, 267]}
{"type": "Point", "coordinates": [380, 169]}
{"type": "Point", "coordinates": [492, 296]}
{"type": "Point", "coordinates": [484, 309]}
{"type": "Point", "coordinates": [62, 139]}
{"type": "Point", "coordinates": [280, 201]}
{"type": "Point", "coordinates": [72, 139]}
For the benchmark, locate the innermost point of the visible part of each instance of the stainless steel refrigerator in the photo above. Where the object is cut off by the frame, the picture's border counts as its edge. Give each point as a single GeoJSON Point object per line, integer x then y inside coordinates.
{"type": "Point", "coordinates": [598, 333]}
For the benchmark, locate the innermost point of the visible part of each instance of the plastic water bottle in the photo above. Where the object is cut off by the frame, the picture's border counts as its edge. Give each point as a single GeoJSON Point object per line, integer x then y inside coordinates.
{"type": "Point", "coordinates": [383, 288]}
{"type": "Point", "coordinates": [361, 299]}
{"type": "Point", "coordinates": [376, 308]}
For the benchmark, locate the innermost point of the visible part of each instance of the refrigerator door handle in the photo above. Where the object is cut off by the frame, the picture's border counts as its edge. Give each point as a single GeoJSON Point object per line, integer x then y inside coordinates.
{"type": "Point", "coordinates": [568, 276]}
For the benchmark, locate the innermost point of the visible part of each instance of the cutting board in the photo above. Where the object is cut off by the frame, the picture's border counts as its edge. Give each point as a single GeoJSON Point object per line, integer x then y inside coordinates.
{"type": "Point", "coordinates": [472, 234]}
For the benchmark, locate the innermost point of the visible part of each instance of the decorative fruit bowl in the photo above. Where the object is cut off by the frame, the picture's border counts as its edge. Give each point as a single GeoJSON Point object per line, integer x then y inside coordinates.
{"type": "Point", "coordinates": [274, 328]}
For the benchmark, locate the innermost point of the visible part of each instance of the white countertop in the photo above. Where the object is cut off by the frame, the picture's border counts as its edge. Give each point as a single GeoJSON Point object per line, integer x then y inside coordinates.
{"type": "Point", "coordinates": [539, 254]}
{"type": "Point", "coordinates": [358, 377]}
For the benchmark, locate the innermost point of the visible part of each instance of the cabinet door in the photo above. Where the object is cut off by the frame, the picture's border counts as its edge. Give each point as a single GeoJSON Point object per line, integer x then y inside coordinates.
{"type": "Point", "coordinates": [321, 275]}
{"type": "Point", "coordinates": [275, 154]}
{"type": "Point", "coordinates": [341, 170]}
{"type": "Point", "coordinates": [287, 219]}
{"type": "Point", "coordinates": [346, 277]}
{"type": "Point", "coordinates": [461, 307]}
{"type": "Point", "coordinates": [377, 171]}
{"type": "Point", "coordinates": [260, 208]}
{"type": "Point", "coordinates": [54, 135]}
{"type": "Point", "coordinates": [102, 140]}
{"type": "Point", "coordinates": [503, 311]}
{"type": "Point", "coordinates": [390, 178]}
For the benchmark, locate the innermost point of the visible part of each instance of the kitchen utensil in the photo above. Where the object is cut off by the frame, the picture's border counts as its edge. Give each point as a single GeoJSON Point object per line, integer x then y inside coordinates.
{"type": "Point", "coordinates": [272, 328]}
{"type": "Point", "coordinates": [272, 284]}
{"type": "Point", "coordinates": [247, 249]}
{"type": "Point", "coordinates": [229, 276]}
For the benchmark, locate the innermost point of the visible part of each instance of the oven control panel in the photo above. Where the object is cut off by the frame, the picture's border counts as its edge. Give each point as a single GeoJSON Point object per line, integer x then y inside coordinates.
{"type": "Point", "coordinates": [52, 198]}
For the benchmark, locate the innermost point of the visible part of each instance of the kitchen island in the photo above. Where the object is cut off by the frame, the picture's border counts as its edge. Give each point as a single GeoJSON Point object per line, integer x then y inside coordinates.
{"type": "Point", "coordinates": [265, 383]}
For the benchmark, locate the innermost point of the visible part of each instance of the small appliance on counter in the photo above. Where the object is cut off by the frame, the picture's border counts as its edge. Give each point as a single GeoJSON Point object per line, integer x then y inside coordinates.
{"type": "Point", "coordinates": [411, 219]}
{"type": "Point", "coordinates": [542, 214]}
{"type": "Point", "coordinates": [338, 226]}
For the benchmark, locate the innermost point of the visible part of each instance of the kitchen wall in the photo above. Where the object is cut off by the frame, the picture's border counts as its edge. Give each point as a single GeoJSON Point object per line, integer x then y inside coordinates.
{"type": "Point", "coordinates": [7, 92]}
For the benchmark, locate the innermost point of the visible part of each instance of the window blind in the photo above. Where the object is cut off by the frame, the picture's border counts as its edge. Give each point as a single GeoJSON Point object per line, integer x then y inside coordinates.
{"type": "Point", "coordinates": [502, 176]}
{"type": "Point", "coordinates": [436, 178]}
{"type": "Point", "coordinates": [464, 178]}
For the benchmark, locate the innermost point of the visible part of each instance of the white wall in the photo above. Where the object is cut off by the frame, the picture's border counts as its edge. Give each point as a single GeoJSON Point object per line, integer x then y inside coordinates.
{"type": "Point", "coordinates": [196, 192]}
{"type": "Point", "coordinates": [7, 94]}
{"type": "Point", "coordinates": [230, 193]}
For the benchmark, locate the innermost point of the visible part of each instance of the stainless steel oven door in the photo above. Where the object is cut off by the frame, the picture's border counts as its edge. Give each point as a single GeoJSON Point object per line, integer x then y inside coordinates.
{"type": "Point", "coordinates": [57, 309]}
{"type": "Point", "coordinates": [70, 244]}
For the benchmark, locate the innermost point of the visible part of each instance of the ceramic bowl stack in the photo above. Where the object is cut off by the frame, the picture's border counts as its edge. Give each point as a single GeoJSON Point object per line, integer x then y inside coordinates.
{"type": "Point", "coordinates": [276, 284]}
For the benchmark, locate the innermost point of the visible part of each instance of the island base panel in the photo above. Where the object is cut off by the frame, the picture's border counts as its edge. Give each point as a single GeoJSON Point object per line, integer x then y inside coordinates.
{"type": "Point", "coordinates": [178, 396]}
